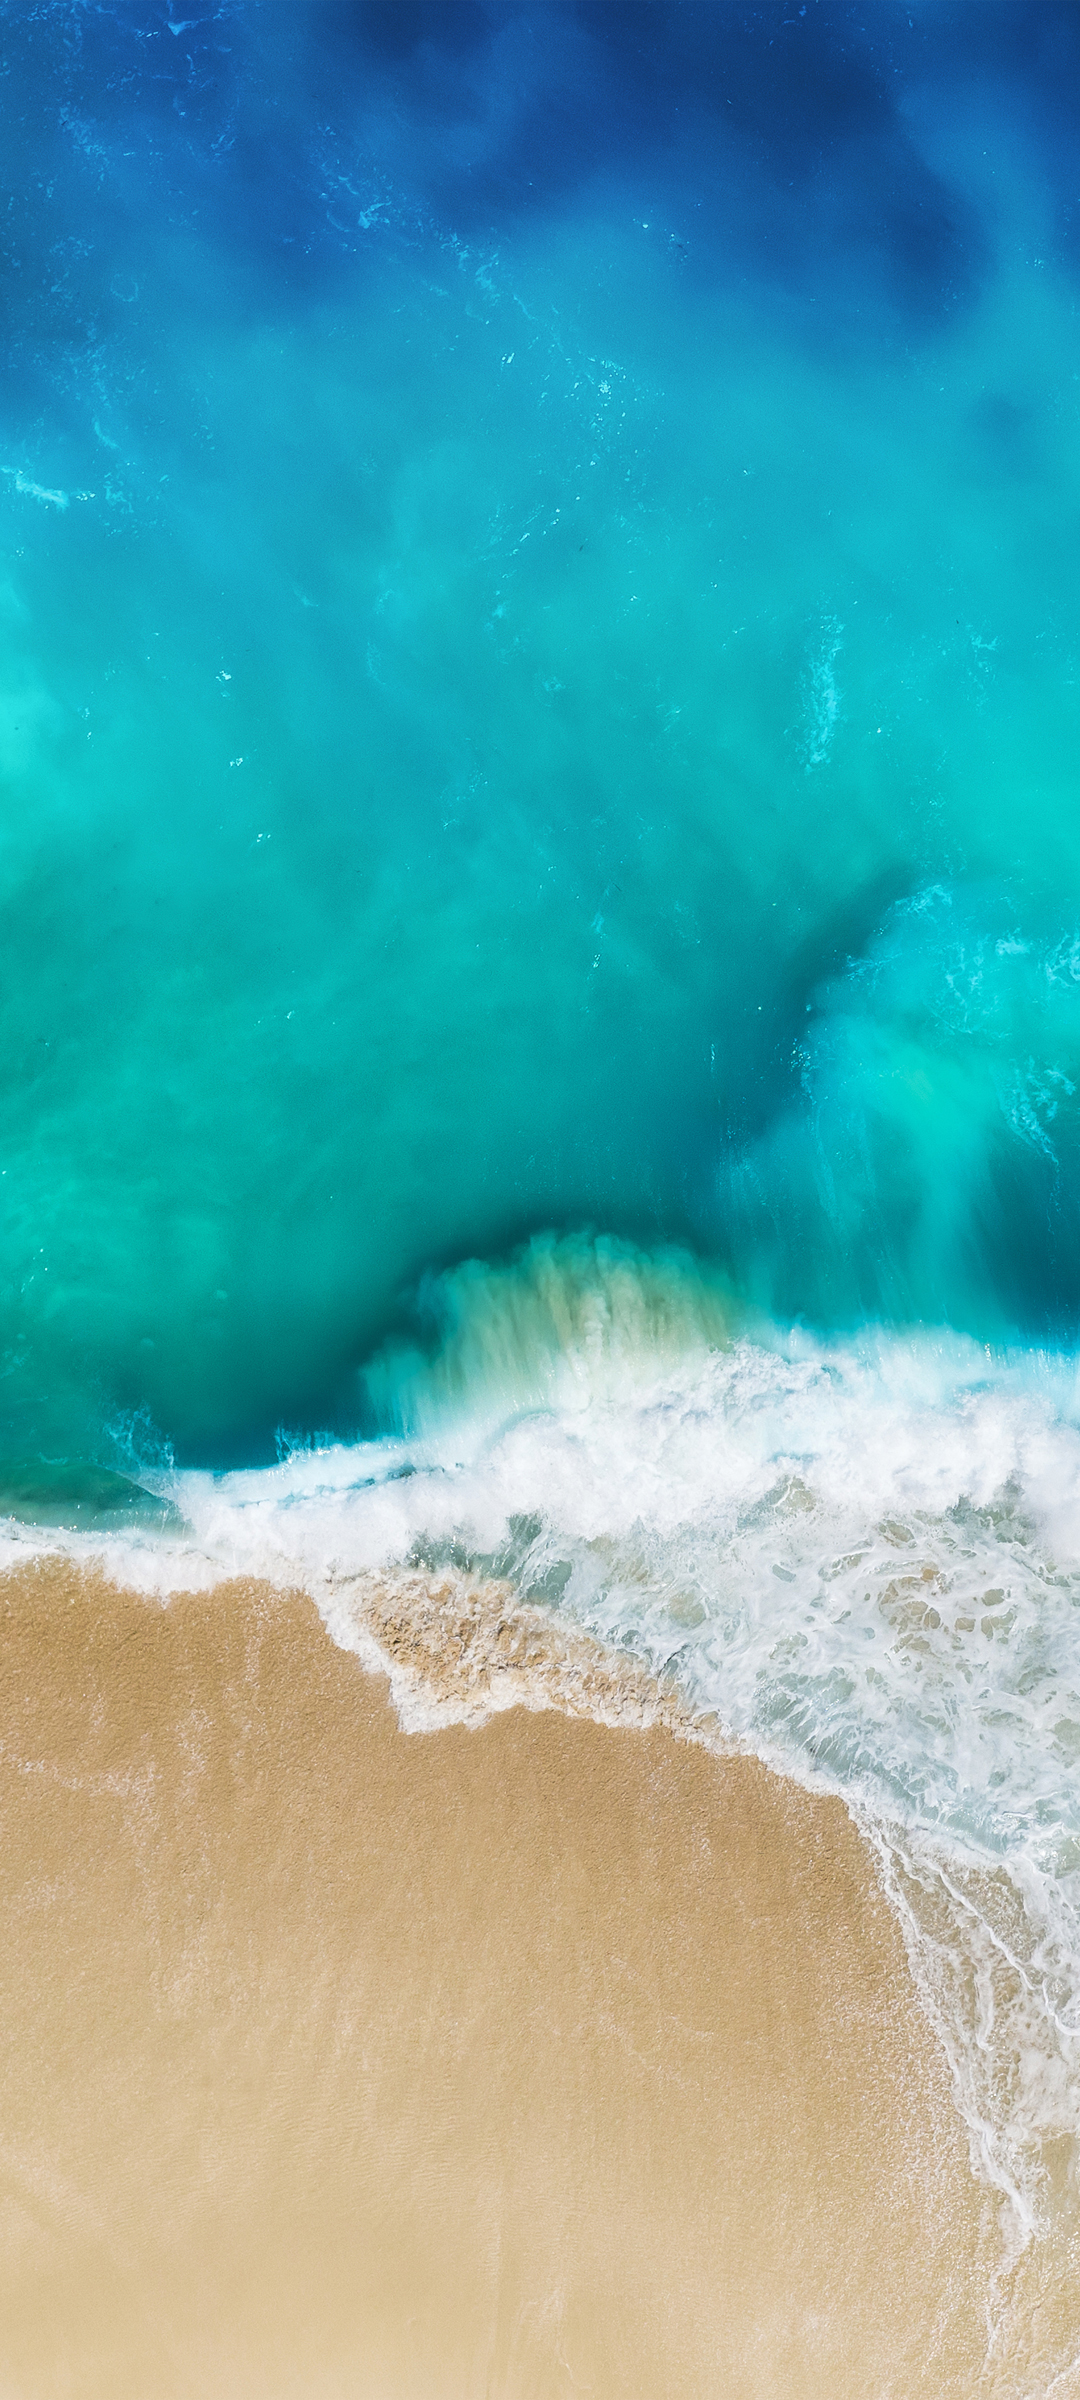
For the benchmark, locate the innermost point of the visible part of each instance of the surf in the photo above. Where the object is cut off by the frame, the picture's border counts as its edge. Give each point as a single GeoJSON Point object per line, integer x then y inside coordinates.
{"type": "Point", "coordinates": [857, 1560]}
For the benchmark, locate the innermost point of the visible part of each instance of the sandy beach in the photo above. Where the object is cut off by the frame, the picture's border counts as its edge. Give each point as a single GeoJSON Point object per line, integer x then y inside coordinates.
{"type": "Point", "coordinates": [535, 2059]}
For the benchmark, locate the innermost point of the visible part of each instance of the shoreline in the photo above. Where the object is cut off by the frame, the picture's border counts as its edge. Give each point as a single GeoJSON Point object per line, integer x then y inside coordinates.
{"type": "Point", "coordinates": [536, 2056]}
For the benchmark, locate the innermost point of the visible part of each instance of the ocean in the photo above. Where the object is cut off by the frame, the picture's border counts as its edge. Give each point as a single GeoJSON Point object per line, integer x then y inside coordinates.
{"type": "Point", "coordinates": [539, 725]}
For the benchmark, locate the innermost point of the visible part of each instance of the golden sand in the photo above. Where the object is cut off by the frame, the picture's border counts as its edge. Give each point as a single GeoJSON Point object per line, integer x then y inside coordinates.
{"type": "Point", "coordinates": [546, 2058]}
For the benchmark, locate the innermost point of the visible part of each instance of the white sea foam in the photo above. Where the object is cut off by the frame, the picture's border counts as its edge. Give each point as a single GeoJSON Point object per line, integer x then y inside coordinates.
{"type": "Point", "coordinates": [862, 1560]}
{"type": "Point", "coordinates": [38, 491]}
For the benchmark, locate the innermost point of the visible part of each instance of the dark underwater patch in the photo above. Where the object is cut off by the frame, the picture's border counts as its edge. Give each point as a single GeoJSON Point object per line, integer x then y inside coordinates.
{"type": "Point", "coordinates": [67, 1493]}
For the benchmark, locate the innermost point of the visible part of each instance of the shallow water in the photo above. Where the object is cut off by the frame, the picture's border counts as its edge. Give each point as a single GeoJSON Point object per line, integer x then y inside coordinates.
{"type": "Point", "coordinates": [528, 2059]}
{"type": "Point", "coordinates": [860, 1561]}
{"type": "Point", "coordinates": [538, 720]}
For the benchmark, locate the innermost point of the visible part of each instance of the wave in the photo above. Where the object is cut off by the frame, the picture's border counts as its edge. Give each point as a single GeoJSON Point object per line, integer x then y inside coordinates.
{"type": "Point", "coordinates": [598, 1486]}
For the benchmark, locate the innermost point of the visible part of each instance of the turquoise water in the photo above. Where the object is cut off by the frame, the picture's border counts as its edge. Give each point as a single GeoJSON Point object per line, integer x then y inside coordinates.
{"type": "Point", "coordinates": [525, 715]}
{"type": "Point", "coordinates": [539, 726]}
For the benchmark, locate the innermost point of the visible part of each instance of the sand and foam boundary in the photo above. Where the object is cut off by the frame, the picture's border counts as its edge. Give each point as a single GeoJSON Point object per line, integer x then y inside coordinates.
{"type": "Point", "coordinates": [539, 2056]}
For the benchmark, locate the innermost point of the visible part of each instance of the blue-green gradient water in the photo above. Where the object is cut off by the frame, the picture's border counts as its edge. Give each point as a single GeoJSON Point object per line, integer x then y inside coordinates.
{"type": "Point", "coordinates": [540, 722]}
{"type": "Point", "coordinates": [524, 707]}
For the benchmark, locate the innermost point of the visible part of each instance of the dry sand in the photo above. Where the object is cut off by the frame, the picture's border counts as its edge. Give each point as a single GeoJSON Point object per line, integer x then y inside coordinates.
{"type": "Point", "coordinates": [546, 2058]}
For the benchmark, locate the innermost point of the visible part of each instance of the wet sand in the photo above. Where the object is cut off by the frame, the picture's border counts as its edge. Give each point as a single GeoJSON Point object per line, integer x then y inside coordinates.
{"type": "Point", "coordinates": [542, 2058]}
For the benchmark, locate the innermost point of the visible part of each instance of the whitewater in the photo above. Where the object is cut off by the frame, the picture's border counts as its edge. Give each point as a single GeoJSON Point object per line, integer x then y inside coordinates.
{"type": "Point", "coordinates": [859, 1561]}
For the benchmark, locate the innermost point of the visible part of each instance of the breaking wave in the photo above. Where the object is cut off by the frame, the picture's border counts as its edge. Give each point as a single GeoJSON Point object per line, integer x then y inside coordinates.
{"type": "Point", "coordinates": [599, 1487]}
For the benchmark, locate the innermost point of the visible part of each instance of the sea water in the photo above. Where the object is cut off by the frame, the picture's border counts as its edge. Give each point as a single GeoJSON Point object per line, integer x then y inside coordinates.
{"type": "Point", "coordinates": [539, 726]}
